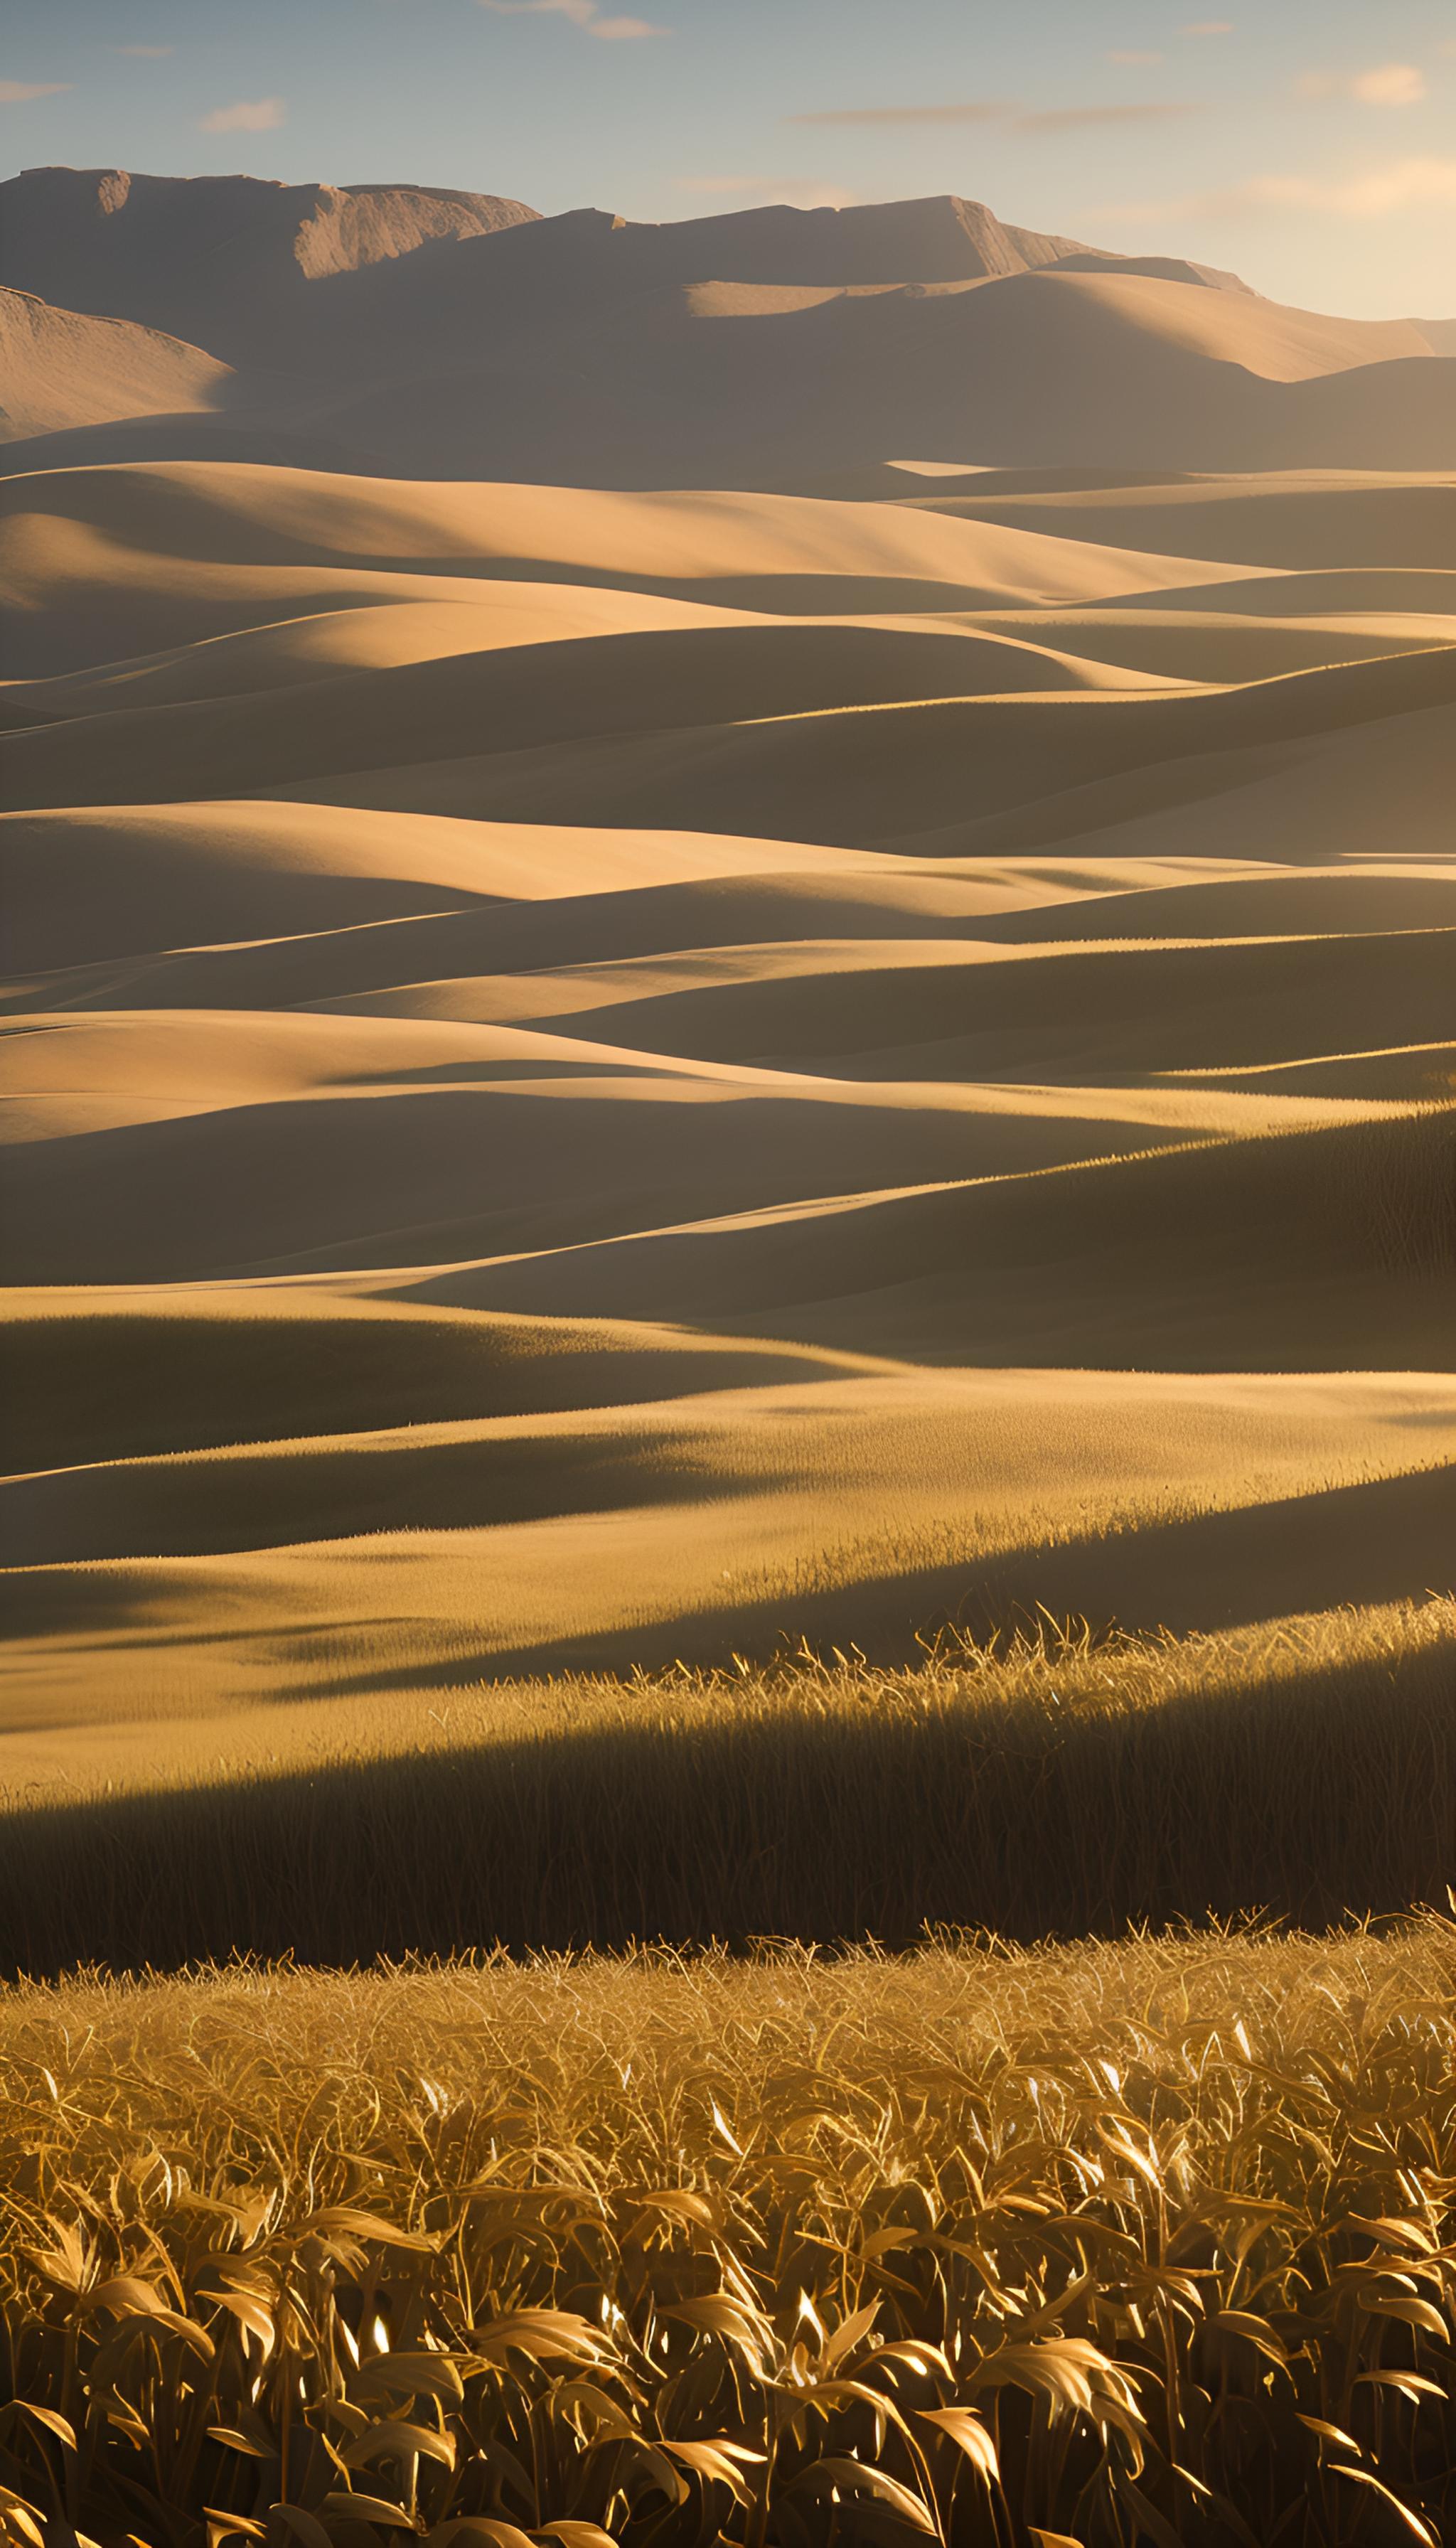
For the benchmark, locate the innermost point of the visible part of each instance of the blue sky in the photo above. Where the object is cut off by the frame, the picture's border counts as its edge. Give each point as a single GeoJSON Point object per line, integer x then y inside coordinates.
{"type": "Point", "coordinates": [1310, 142]}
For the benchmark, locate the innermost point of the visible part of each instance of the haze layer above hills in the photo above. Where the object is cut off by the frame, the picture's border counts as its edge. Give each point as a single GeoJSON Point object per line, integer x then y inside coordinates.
{"type": "Point", "coordinates": [598, 1071]}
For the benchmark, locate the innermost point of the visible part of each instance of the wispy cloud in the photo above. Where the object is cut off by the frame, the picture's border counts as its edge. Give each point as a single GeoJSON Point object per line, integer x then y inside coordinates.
{"type": "Point", "coordinates": [21, 92]}
{"type": "Point", "coordinates": [1387, 84]}
{"type": "Point", "coordinates": [245, 115]}
{"type": "Point", "coordinates": [146, 52]}
{"type": "Point", "coordinates": [1075, 119]}
{"type": "Point", "coordinates": [971, 109]}
{"type": "Point", "coordinates": [1004, 110]}
{"type": "Point", "coordinates": [585, 13]}
{"type": "Point", "coordinates": [1401, 186]}
{"type": "Point", "coordinates": [1391, 84]}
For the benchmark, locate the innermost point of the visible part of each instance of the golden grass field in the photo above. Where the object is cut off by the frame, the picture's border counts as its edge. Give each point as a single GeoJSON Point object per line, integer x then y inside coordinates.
{"type": "Point", "coordinates": [728, 1761]}
{"type": "Point", "coordinates": [1147, 2240]}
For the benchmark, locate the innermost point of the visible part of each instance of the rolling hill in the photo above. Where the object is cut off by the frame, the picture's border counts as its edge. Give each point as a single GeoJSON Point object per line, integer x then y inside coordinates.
{"type": "Point", "coordinates": [592, 1072]}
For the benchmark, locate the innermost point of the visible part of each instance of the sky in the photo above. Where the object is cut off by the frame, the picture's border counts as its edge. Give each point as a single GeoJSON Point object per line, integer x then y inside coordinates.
{"type": "Point", "coordinates": [1309, 143]}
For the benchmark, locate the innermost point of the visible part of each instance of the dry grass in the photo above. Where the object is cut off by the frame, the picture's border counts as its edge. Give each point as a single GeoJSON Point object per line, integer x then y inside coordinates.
{"type": "Point", "coordinates": [1147, 2243]}
{"type": "Point", "coordinates": [1052, 1785]}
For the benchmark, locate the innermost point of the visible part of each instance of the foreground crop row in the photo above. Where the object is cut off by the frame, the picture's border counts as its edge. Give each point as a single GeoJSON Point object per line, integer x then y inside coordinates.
{"type": "Point", "coordinates": [1120, 2243]}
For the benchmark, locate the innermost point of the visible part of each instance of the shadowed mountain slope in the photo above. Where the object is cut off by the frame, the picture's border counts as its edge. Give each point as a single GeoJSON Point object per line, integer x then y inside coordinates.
{"type": "Point", "coordinates": [257, 269]}
{"type": "Point", "coordinates": [230, 262]}
{"type": "Point", "coordinates": [444, 335]}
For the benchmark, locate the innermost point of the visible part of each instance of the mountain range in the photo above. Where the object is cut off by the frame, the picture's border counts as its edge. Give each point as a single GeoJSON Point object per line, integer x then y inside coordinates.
{"type": "Point", "coordinates": [395, 330]}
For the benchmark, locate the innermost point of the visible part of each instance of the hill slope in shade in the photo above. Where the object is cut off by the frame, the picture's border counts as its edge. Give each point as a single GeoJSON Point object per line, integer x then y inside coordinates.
{"type": "Point", "coordinates": [726, 384]}
{"type": "Point", "coordinates": [62, 370]}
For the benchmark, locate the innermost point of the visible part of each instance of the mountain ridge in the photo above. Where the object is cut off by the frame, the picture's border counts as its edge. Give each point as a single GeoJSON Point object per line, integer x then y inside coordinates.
{"type": "Point", "coordinates": [427, 333]}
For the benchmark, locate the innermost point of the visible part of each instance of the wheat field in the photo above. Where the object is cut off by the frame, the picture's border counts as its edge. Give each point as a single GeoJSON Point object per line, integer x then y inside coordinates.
{"type": "Point", "coordinates": [1121, 2242]}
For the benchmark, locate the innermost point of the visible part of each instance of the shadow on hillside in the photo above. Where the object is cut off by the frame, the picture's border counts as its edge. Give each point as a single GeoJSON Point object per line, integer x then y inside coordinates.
{"type": "Point", "coordinates": [828, 1811]}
